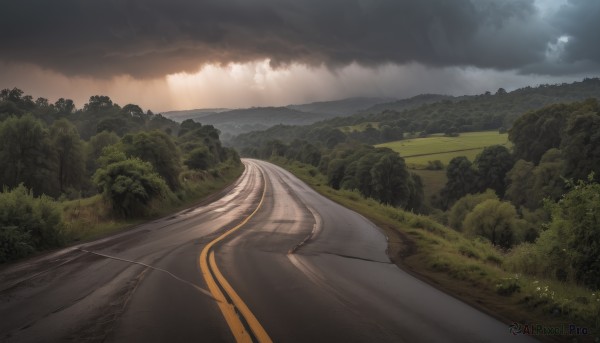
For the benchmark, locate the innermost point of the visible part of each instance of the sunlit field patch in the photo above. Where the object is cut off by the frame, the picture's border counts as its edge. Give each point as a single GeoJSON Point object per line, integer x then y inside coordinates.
{"type": "Point", "coordinates": [418, 151]}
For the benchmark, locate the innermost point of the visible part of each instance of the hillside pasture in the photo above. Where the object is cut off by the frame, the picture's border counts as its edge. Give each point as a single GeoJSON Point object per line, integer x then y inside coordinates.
{"type": "Point", "coordinates": [418, 151]}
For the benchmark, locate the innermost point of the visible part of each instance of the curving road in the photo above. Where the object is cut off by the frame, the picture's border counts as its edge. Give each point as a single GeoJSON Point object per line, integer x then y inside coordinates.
{"type": "Point", "coordinates": [269, 260]}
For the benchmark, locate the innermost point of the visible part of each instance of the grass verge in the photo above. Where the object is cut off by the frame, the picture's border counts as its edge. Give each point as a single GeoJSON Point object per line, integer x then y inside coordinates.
{"type": "Point", "coordinates": [471, 270]}
{"type": "Point", "coordinates": [92, 218]}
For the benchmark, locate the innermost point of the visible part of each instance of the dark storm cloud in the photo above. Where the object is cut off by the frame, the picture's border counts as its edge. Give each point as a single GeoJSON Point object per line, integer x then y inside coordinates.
{"type": "Point", "coordinates": [580, 21]}
{"type": "Point", "coordinates": [147, 38]}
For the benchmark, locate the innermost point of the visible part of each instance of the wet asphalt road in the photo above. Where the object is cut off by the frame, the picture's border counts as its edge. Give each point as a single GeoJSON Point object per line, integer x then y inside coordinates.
{"type": "Point", "coordinates": [309, 269]}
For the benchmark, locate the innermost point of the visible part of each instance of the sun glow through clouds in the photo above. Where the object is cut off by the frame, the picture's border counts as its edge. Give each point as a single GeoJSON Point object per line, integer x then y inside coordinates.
{"type": "Point", "coordinates": [243, 84]}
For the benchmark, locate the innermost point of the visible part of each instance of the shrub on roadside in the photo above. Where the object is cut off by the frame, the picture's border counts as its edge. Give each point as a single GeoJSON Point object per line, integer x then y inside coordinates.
{"type": "Point", "coordinates": [494, 220]}
{"type": "Point", "coordinates": [130, 186]}
{"type": "Point", "coordinates": [27, 223]}
{"type": "Point", "coordinates": [459, 211]}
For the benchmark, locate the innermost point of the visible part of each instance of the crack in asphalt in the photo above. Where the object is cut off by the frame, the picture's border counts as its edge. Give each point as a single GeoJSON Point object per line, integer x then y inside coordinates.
{"type": "Point", "coordinates": [196, 287]}
{"type": "Point", "coordinates": [356, 258]}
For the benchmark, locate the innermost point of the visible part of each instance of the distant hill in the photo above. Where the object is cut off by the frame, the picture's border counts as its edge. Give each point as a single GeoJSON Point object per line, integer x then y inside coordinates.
{"type": "Point", "coordinates": [341, 108]}
{"type": "Point", "coordinates": [268, 116]}
{"type": "Point", "coordinates": [234, 122]}
{"type": "Point", "coordinates": [429, 114]}
{"type": "Point", "coordinates": [482, 112]}
{"type": "Point", "coordinates": [237, 121]}
{"type": "Point", "coordinates": [404, 104]}
{"type": "Point", "coordinates": [180, 116]}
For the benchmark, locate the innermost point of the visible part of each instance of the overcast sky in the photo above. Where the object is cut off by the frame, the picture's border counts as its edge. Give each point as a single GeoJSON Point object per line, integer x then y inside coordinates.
{"type": "Point", "coordinates": [181, 54]}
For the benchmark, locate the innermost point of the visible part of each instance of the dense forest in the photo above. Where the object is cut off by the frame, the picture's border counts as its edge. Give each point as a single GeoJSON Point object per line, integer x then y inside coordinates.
{"type": "Point", "coordinates": [536, 201]}
{"type": "Point", "coordinates": [54, 152]}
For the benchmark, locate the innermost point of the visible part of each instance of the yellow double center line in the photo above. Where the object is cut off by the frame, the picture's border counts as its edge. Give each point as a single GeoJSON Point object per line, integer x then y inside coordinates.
{"type": "Point", "coordinates": [210, 271]}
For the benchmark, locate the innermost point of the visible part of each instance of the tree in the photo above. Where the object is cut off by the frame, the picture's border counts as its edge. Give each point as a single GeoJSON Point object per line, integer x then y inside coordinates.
{"type": "Point", "coordinates": [273, 148]}
{"type": "Point", "coordinates": [581, 143]}
{"type": "Point", "coordinates": [193, 135]}
{"type": "Point", "coordinates": [465, 205]}
{"type": "Point", "coordinates": [42, 102]}
{"type": "Point", "coordinates": [494, 220]}
{"type": "Point", "coordinates": [371, 135]}
{"type": "Point", "coordinates": [301, 150]}
{"type": "Point", "coordinates": [111, 154]}
{"type": "Point", "coordinates": [118, 125]}
{"type": "Point", "coordinates": [415, 191]}
{"type": "Point", "coordinates": [309, 154]}
{"type": "Point", "coordinates": [159, 149]}
{"type": "Point", "coordinates": [70, 167]}
{"type": "Point", "coordinates": [390, 180]}
{"type": "Point", "coordinates": [44, 110]}
{"type": "Point", "coordinates": [26, 155]}
{"type": "Point", "coordinates": [462, 180]}
{"type": "Point", "coordinates": [435, 165]}
{"type": "Point", "coordinates": [529, 185]}
{"type": "Point", "coordinates": [520, 181]}
{"type": "Point", "coordinates": [335, 172]}
{"type": "Point", "coordinates": [64, 106]}
{"type": "Point", "coordinates": [12, 101]}
{"type": "Point", "coordinates": [389, 133]}
{"type": "Point", "coordinates": [27, 223]}
{"type": "Point", "coordinates": [133, 111]}
{"type": "Point", "coordinates": [492, 165]}
{"type": "Point", "coordinates": [95, 146]}
{"type": "Point", "coordinates": [200, 158]}
{"type": "Point", "coordinates": [98, 103]}
{"type": "Point", "coordinates": [349, 180]}
{"type": "Point", "coordinates": [576, 222]}
{"type": "Point", "coordinates": [334, 137]}
{"type": "Point", "coordinates": [535, 132]}
{"type": "Point", "coordinates": [188, 126]}
{"type": "Point", "coordinates": [363, 175]}
{"type": "Point", "coordinates": [549, 182]}
{"type": "Point", "coordinates": [130, 185]}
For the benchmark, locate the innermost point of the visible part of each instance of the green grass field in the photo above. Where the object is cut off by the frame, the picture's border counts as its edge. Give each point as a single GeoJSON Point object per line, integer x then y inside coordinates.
{"type": "Point", "coordinates": [418, 151]}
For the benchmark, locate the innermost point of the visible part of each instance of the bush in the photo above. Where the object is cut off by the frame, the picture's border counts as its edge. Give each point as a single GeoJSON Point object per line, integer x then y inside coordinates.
{"type": "Point", "coordinates": [200, 158]}
{"type": "Point", "coordinates": [508, 286]}
{"type": "Point", "coordinates": [576, 222]}
{"type": "Point", "coordinates": [525, 258]}
{"type": "Point", "coordinates": [494, 220]}
{"type": "Point", "coordinates": [14, 243]}
{"type": "Point", "coordinates": [130, 186]}
{"type": "Point", "coordinates": [27, 223]}
{"type": "Point", "coordinates": [568, 249]}
{"type": "Point", "coordinates": [464, 206]}
{"type": "Point", "coordinates": [435, 165]}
